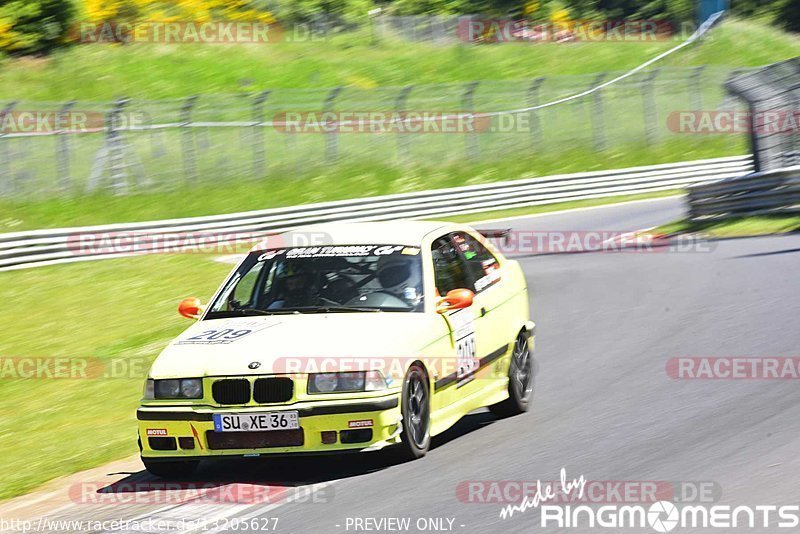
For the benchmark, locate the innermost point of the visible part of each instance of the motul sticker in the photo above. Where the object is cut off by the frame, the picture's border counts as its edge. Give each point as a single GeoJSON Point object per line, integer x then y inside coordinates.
{"type": "Point", "coordinates": [156, 431]}
{"type": "Point", "coordinates": [360, 423]}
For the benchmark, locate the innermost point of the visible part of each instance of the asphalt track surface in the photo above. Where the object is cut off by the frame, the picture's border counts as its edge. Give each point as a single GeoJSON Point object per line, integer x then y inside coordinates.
{"type": "Point", "coordinates": [605, 407]}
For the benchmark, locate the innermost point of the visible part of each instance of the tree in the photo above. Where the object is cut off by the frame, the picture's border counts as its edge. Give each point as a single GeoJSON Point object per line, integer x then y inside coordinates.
{"type": "Point", "coordinates": [33, 26]}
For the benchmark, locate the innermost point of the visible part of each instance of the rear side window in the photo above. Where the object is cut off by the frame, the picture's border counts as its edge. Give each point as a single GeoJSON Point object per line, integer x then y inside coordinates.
{"type": "Point", "coordinates": [482, 266]}
{"type": "Point", "coordinates": [449, 269]}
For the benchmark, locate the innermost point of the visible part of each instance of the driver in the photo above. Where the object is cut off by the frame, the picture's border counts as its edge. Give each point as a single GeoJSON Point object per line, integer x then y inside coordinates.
{"type": "Point", "coordinates": [400, 277]}
{"type": "Point", "coordinates": [293, 287]}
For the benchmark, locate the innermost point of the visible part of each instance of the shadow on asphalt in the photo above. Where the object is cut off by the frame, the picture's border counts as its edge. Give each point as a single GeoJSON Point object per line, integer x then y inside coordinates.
{"type": "Point", "coordinates": [279, 472]}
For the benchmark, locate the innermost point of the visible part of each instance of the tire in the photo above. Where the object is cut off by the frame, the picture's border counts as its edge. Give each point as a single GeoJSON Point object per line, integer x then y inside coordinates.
{"type": "Point", "coordinates": [520, 381]}
{"type": "Point", "coordinates": [416, 413]}
{"type": "Point", "coordinates": [171, 469]}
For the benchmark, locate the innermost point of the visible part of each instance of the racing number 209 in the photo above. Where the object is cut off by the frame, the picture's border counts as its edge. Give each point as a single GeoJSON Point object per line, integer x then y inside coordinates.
{"type": "Point", "coordinates": [227, 334]}
{"type": "Point", "coordinates": [465, 352]}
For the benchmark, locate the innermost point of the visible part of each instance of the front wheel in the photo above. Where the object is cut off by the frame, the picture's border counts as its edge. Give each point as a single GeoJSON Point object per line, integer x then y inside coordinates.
{"type": "Point", "coordinates": [416, 412]}
{"type": "Point", "coordinates": [520, 381]}
{"type": "Point", "coordinates": [171, 469]}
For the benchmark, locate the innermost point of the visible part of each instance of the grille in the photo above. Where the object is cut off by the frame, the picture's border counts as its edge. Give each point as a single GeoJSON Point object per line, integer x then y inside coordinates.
{"type": "Point", "coordinates": [254, 440]}
{"type": "Point", "coordinates": [267, 390]}
{"type": "Point", "coordinates": [232, 391]}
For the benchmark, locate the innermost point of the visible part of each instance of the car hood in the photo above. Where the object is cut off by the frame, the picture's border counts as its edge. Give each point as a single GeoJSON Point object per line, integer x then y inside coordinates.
{"type": "Point", "coordinates": [295, 343]}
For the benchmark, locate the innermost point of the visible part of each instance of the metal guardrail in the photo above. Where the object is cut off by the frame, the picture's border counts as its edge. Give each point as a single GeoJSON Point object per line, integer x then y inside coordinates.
{"type": "Point", "coordinates": [22, 250]}
{"type": "Point", "coordinates": [759, 193]}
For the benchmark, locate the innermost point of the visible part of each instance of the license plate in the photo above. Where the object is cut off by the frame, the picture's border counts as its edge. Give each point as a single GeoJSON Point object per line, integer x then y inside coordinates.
{"type": "Point", "coordinates": [255, 422]}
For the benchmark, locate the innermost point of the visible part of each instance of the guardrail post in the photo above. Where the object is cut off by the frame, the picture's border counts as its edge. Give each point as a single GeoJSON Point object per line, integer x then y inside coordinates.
{"type": "Point", "coordinates": [6, 181]}
{"type": "Point", "coordinates": [116, 148]}
{"type": "Point", "coordinates": [598, 122]}
{"type": "Point", "coordinates": [259, 148]}
{"type": "Point", "coordinates": [467, 102]}
{"type": "Point", "coordinates": [187, 140]}
{"type": "Point", "coordinates": [403, 151]}
{"type": "Point", "coordinates": [650, 110]}
{"type": "Point", "coordinates": [533, 101]}
{"type": "Point", "coordinates": [695, 87]}
{"type": "Point", "coordinates": [62, 147]}
{"type": "Point", "coordinates": [331, 137]}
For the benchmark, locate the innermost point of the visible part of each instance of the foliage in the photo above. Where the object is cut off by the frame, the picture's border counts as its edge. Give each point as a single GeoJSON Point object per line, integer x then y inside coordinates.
{"type": "Point", "coordinates": [33, 26]}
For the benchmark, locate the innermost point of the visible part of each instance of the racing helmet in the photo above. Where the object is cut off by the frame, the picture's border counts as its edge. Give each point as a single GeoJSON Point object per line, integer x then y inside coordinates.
{"type": "Point", "coordinates": [400, 276]}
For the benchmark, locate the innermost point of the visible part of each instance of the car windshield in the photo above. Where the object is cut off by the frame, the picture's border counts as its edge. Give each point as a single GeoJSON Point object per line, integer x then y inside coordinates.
{"type": "Point", "coordinates": [324, 279]}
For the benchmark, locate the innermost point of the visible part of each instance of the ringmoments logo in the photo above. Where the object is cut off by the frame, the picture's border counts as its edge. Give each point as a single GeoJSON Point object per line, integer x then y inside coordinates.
{"type": "Point", "coordinates": [661, 516]}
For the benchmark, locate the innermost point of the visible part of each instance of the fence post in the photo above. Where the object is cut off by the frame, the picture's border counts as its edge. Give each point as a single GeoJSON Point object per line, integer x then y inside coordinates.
{"type": "Point", "coordinates": [402, 138]}
{"type": "Point", "coordinates": [533, 100]}
{"type": "Point", "coordinates": [331, 137]}
{"type": "Point", "coordinates": [650, 111]}
{"type": "Point", "coordinates": [598, 124]}
{"type": "Point", "coordinates": [116, 148]}
{"type": "Point", "coordinates": [187, 140]}
{"type": "Point", "coordinates": [695, 88]}
{"type": "Point", "coordinates": [6, 181]}
{"type": "Point", "coordinates": [259, 149]}
{"type": "Point", "coordinates": [467, 102]}
{"type": "Point", "coordinates": [62, 147]}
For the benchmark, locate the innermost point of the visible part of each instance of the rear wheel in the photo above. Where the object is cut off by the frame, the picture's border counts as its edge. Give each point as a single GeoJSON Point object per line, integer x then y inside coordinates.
{"type": "Point", "coordinates": [520, 381]}
{"type": "Point", "coordinates": [171, 469]}
{"type": "Point", "coordinates": [416, 411]}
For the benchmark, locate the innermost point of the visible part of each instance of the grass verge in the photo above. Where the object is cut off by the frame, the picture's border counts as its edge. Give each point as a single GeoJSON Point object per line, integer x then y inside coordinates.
{"type": "Point", "coordinates": [735, 227]}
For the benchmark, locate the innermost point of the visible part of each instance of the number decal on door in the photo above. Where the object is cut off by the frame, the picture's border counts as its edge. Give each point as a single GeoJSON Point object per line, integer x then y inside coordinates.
{"type": "Point", "coordinates": [464, 333]}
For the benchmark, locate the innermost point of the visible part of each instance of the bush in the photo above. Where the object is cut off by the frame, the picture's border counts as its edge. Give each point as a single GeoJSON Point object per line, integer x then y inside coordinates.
{"type": "Point", "coordinates": [34, 26]}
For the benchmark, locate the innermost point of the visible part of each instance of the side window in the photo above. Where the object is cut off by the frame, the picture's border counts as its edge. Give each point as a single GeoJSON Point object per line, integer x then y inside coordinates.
{"type": "Point", "coordinates": [449, 269]}
{"type": "Point", "coordinates": [482, 266]}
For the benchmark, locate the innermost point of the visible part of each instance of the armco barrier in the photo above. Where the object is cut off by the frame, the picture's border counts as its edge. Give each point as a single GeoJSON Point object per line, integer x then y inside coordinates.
{"type": "Point", "coordinates": [760, 193]}
{"type": "Point", "coordinates": [21, 250]}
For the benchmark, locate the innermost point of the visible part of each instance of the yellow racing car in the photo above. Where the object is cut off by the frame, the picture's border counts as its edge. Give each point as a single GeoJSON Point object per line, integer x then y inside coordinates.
{"type": "Point", "coordinates": [342, 337]}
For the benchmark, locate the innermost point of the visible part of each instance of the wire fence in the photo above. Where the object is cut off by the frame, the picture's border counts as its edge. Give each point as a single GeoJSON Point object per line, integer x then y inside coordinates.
{"type": "Point", "coordinates": [772, 95]}
{"type": "Point", "coordinates": [78, 148]}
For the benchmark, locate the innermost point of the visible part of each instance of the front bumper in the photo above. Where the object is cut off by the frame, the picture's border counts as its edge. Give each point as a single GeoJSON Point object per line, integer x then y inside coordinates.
{"type": "Point", "coordinates": [169, 433]}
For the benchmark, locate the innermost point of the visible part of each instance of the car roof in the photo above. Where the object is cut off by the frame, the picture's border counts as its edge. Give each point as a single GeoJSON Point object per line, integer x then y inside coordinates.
{"type": "Point", "coordinates": [400, 232]}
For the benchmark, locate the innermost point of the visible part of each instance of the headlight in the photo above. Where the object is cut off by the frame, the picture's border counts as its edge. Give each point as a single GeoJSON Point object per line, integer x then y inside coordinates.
{"type": "Point", "coordinates": [351, 382]}
{"type": "Point", "coordinates": [192, 388]}
{"type": "Point", "coordinates": [174, 388]}
{"type": "Point", "coordinates": [323, 383]}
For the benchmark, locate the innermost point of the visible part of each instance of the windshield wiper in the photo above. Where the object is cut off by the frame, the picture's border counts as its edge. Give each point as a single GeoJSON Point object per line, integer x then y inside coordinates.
{"type": "Point", "coordinates": [330, 309]}
{"type": "Point", "coordinates": [247, 312]}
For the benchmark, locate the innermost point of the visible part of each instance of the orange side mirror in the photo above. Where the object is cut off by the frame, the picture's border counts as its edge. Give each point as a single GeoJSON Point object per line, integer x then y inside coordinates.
{"type": "Point", "coordinates": [190, 308]}
{"type": "Point", "coordinates": [455, 299]}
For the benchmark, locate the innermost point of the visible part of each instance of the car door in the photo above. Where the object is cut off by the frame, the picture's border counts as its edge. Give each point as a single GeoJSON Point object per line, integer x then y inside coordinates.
{"type": "Point", "coordinates": [490, 303]}
{"type": "Point", "coordinates": [465, 325]}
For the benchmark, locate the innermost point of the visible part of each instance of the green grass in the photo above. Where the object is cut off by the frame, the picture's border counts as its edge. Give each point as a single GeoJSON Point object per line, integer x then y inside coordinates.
{"type": "Point", "coordinates": [123, 309]}
{"type": "Point", "coordinates": [298, 170]}
{"type": "Point", "coordinates": [319, 184]}
{"type": "Point", "coordinates": [88, 72]}
{"type": "Point", "coordinates": [735, 226]}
